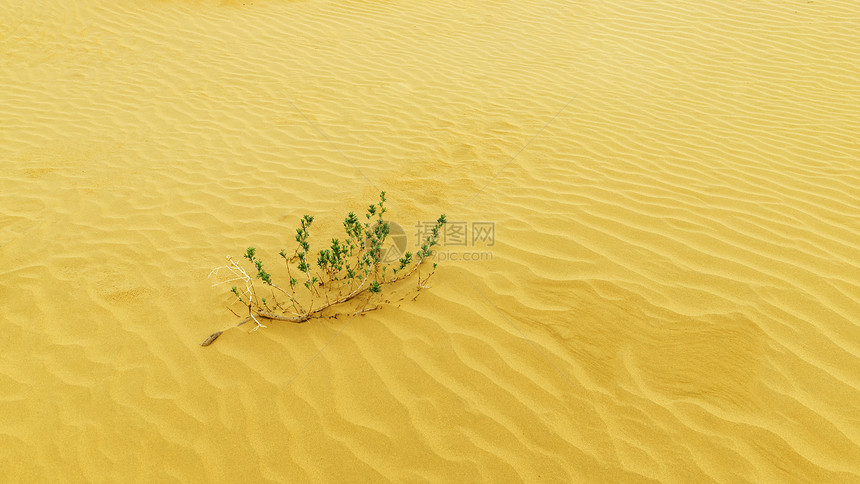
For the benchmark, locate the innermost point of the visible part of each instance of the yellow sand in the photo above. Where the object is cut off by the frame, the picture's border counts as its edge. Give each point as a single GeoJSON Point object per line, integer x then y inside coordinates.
{"type": "Point", "coordinates": [673, 291]}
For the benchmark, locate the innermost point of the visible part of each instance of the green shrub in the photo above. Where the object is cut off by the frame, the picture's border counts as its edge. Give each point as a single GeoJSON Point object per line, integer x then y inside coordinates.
{"type": "Point", "coordinates": [348, 268]}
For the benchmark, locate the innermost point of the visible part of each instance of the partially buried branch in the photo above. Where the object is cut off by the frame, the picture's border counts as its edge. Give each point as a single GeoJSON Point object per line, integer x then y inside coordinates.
{"type": "Point", "coordinates": [345, 270]}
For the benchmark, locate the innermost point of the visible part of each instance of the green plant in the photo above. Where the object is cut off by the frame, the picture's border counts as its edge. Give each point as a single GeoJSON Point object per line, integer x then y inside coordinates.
{"type": "Point", "coordinates": [348, 268]}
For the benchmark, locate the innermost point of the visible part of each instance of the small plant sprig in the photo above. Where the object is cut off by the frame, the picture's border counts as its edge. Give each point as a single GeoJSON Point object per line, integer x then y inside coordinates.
{"type": "Point", "coordinates": [348, 268]}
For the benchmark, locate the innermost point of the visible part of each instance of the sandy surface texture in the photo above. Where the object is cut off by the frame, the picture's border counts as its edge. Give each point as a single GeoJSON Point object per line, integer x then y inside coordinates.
{"type": "Point", "coordinates": [669, 291]}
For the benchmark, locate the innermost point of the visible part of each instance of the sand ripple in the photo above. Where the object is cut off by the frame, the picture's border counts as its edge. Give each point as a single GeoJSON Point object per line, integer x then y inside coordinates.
{"type": "Point", "coordinates": [673, 290]}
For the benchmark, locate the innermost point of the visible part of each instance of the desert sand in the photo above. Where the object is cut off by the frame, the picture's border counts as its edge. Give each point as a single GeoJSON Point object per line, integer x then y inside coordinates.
{"type": "Point", "coordinates": [671, 293]}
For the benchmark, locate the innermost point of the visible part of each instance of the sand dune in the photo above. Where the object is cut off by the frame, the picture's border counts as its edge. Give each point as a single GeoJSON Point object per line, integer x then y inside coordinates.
{"type": "Point", "coordinates": [673, 288]}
